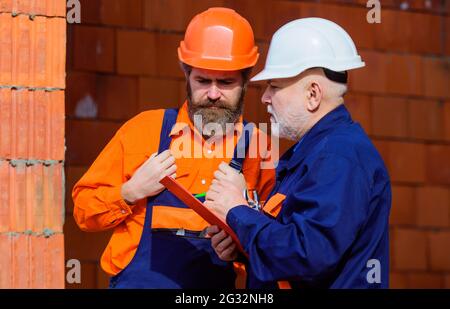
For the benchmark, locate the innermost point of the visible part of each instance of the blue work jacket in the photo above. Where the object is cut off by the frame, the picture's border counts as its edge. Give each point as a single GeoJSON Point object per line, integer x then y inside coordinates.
{"type": "Point", "coordinates": [327, 222]}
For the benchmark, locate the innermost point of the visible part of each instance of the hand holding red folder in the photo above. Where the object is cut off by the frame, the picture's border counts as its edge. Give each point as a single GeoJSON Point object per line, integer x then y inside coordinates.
{"type": "Point", "coordinates": [186, 197]}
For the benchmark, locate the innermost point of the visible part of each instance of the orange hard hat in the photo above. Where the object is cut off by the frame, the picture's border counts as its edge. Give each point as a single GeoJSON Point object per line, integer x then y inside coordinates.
{"type": "Point", "coordinates": [219, 39]}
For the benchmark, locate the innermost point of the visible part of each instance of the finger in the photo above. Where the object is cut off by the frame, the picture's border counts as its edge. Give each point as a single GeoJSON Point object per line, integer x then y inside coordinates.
{"type": "Point", "coordinates": [218, 238]}
{"type": "Point", "coordinates": [219, 175]}
{"type": "Point", "coordinates": [211, 196]}
{"type": "Point", "coordinates": [225, 168]}
{"type": "Point", "coordinates": [229, 253]}
{"type": "Point", "coordinates": [171, 170]}
{"type": "Point", "coordinates": [217, 187]}
{"type": "Point", "coordinates": [224, 244]}
{"type": "Point", "coordinates": [212, 230]}
{"type": "Point", "coordinates": [151, 158]}
{"type": "Point", "coordinates": [163, 155]}
{"type": "Point", "coordinates": [169, 161]}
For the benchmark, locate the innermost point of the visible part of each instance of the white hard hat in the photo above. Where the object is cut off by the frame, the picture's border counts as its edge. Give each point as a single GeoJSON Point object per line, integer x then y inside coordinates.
{"type": "Point", "coordinates": [308, 43]}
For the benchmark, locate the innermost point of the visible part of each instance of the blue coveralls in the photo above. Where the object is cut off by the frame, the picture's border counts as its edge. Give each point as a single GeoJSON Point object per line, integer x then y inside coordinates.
{"type": "Point", "coordinates": [166, 260]}
{"type": "Point", "coordinates": [334, 198]}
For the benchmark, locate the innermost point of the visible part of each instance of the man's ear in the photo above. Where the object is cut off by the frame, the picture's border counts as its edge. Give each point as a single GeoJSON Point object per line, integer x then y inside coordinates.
{"type": "Point", "coordinates": [186, 69]}
{"type": "Point", "coordinates": [314, 96]}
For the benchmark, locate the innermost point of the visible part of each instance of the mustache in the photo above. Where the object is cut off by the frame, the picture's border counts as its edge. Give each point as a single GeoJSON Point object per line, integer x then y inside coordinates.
{"type": "Point", "coordinates": [209, 103]}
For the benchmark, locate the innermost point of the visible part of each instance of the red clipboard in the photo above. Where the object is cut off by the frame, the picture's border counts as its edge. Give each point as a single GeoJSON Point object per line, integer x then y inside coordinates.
{"type": "Point", "coordinates": [186, 197]}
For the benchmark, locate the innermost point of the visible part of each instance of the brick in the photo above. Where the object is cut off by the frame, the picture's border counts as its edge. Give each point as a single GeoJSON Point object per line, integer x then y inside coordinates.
{"type": "Point", "coordinates": [101, 96]}
{"type": "Point", "coordinates": [84, 246]}
{"type": "Point", "coordinates": [73, 174]}
{"type": "Point", "coordinates": [57, 52]}
{"type": "Point", "coordinates": [117, 97]}
{"type": "Point", "coordinates": [440, 250]}
{"type": "Point", "coordinates": [40, 52]}
{"type": "Point", "coordinates": [155, 10]}
{"type": "Point", "coordinates": [5, 6]}
{"type": "Point", "coordinates": [409, 250]}
{"type": "Point", "coordinates": [6, 48]}
{"type": "Point", "coordinates": [404, 74]}
{"type": "Point", "coordinates": [102, 279]}
{"type": "Point", "coordinates": [37, 51]}
{"type": "Point", "coordinates": [5, 211]}
{"type": "Point", "coordinates": [409, 32]}
{"type": "Point", "coordinates": [395, 31]}
{"type": "Point", "coordinates": [167, 63]}
{"type": "Point", "coordinates": [83, 146]}
{"type": "Point", "coordinates": [352, 19]}
{"type": "Point", "coordinates": [254, 110]}
{"type": "Point", "coordinates": [360, 108]}
{"type": "Point", "coordinates": [122, 13]}
{"type": "Point", "coordinates": [436, 72]}
{"type": "Point", "coordinates": [55, 267]}
{"type": "Point", "coordinates": [6, 119]}
{"type": "Point", "coordinates": [91, 11]}
{"type": "Point", "coordinates": [21, 262]}
{"type": "Point", "coordinates": [32, 198]}
{"type": "Point", "coordinates": [181, 12]}
{"type": "Point", "coordinates": [58, 8]}
{"type": "Point", "coordinates": [159, 93]}
{"type": "Point", "coordinates": [254, 11]}
{"type": "Point", "coordinates": [446, 120]}
{"type": "Point", "coordinates": [403, 210]}
{"type": "Point", "coordinates": [447, 35]}
{"type": "Point", "coordinates": [389, 116]}
{"type": "Point", "coordinates": [279, 13]}
{"type": "Point", "coordinates": [21, 50]}
{"type": "Point", "coordinates": [136, 53]}
{"type": "Point", "coordinates": [438, 165]}
{"type": "Point", "coordinates": [447, 282]}
{"type": "Point", "coordinates": [32, 124]}
{"type": "Point", "coordinates": [405, 161]}
{"type": "Point", "coordinates": [397, 280]}
{"type": "Point", "coordinates": [32, 261]}
{"type": "Point", "coordinates": [373, 77]}
{"type": "Point", "coordinates": [6, 259]}
{"type": "Point", "coordinates": [425, 118]}
{"type": "Point", "coordinates": [424, 281]}
{"type": "Point", "coordinates": [433, 207]}
{"type": "Point", "coordinates": [94, 48]}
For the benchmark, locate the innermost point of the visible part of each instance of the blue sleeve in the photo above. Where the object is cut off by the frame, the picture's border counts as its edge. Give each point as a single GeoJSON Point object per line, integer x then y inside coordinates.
{"type": "Point", "coordinates": [321, 217]}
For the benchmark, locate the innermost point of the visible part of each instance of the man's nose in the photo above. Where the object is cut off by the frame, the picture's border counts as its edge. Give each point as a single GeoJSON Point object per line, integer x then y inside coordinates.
{"type": "Point", "coordinates": [265, 99]}
{"type": "Point", "coordinates": [214, 93]}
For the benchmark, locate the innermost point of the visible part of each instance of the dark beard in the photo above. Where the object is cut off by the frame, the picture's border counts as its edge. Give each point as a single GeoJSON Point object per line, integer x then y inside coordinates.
{"type": "Point", "coordinates": [221, 116]}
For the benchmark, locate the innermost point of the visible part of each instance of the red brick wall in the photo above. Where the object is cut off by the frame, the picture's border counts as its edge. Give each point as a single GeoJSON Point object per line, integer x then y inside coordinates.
{"type": "Point", "coordinates": [32, 82]}
{"type": "Point", "coordinates": [122, 60]}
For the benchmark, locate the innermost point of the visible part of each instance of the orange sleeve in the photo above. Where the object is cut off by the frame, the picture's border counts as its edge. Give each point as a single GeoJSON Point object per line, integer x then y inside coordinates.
{"type": "Point", "coordinates": [98, 204]}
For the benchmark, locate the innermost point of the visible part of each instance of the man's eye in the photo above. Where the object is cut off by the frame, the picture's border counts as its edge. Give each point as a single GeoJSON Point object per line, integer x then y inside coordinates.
{"type": "Point", "coordinates": [226, 82]}
{"type": "Point", "coordinates": [202, 81]}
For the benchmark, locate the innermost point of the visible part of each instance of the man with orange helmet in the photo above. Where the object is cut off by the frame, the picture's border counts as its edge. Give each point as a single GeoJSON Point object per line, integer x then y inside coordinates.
{"type": "Point", "coordinates": [158, 241]}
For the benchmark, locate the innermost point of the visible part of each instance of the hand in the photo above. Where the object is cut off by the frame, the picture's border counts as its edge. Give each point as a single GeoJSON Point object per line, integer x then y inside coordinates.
{"type": "Point", "coordinates": [224, 194]}
{"type": "Point", "coordinates": [145, 181]}
{"type": "Point", "coordinates": [222, 244]}
{"type": "Point", "coordinates": [226, 172]}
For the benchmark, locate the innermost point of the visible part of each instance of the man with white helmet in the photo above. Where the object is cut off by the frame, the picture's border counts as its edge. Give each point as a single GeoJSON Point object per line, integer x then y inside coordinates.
{"type": "Point", "coordinates": [325, 224]}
